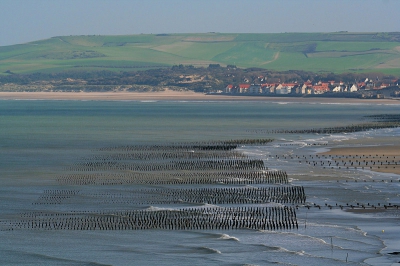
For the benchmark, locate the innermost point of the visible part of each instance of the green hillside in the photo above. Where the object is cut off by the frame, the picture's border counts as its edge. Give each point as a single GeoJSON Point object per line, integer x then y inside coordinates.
{"type": "Point", "coordinates": [337, 52]}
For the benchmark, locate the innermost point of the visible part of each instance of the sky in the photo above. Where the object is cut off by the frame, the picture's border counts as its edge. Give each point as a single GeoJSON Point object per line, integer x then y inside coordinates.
{"type": "Point", "coordinates": [30, 20]}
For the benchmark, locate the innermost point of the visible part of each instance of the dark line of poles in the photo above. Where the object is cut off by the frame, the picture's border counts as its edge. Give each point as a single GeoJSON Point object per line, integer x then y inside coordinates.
{"type": "Point", "coordinates": [176, 178]}
{"type": "Point", "coordinates": [191, 165]}
{"type": "Point", "coordinates": [257, 218]}
{"type": "Point", "coordinates": [244, 195]}
{"type": "Point", "coordinates": [333, 130]}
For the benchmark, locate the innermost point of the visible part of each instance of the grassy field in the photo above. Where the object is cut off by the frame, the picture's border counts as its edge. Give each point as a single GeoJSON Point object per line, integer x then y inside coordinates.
{"type": "Point", "coordinates": [333, 52]}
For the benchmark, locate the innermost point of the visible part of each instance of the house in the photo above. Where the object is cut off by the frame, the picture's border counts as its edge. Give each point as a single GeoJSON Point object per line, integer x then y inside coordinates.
{"type": "Point", "coordinates": [229, 88]}
{"type": "Point", "coordinates": [384, 85]}
{"type": "Point", "coordinates": [361, 85]}
{"type": "Point", "coordinates": [338, 88]}
{"type": "Point", "coordinates": [309, 90]}
{"type": "Point", "coordinates": [301, 89]}
{"type": "Point", "coordinates": [353, 88]}
{"type": "Point", "coordinates": [243, 88]}
{"type": "Point", "coordinates": [285, 88]}
{"type": "Point", "coordinates": [306, 88]}
{"type": "Point", "coordinates": [320, 88]}
{"type": "Point", "coordinates": [281, 89]}
{"type": "Point", "coordinates": [268, 88]}
{"type": "Point", "coordinates": [254, 89]}
{"type": "Point", "coordinates": [277, 87]}
{"type": "Point", "coordinates": [369, 86]}
{"type": "Point", "coordinates": [273, 88]}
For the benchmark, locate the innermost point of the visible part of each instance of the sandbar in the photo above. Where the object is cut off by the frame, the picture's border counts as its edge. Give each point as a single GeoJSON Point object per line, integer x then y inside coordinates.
{"type": "Point", "coordinates": [388, 155]}
{"type": "Point", "coordinates": [171, 95]}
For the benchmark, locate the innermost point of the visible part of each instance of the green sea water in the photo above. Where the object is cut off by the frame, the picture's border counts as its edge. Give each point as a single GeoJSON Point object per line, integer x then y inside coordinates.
{"type": "Point", "coordinates": [74, 124]}
{"type": "Point", "coordinates": [40, 135]}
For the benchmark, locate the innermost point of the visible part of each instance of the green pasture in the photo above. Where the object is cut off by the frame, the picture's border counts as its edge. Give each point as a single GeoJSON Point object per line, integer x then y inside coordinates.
{"type": "Point", "coordinates": [355, 46]}
{"type": "Point", "coordinates": [334, 64]}
{"type": "Point", "coordinates": [336, 52]}
{"type": "Point", "coordinates": [279, 37]}
{"type": "Point", "coordinates": [247, 55]}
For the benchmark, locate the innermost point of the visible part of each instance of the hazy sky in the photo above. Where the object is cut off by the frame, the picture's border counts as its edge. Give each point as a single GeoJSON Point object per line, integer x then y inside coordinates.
{"type": "Point", "coordinates": [29, 20]}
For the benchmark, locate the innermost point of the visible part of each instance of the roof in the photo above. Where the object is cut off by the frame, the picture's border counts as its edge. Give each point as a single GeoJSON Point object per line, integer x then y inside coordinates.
{"type": "Point", "coordinates": [320, 87]}
{"type": "Point", "coordinates": [289, 84]}
{"type": "Point", "coordinates": [244, 86]}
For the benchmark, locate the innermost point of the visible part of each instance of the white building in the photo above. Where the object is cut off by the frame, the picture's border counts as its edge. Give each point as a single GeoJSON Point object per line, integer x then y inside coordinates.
{"type": "Point", "coordinates": [353, 88]}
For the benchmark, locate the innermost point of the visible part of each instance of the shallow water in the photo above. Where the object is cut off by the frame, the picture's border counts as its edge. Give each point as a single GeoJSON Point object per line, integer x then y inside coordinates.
{"type": "Point", "coordinates": [39, 139]}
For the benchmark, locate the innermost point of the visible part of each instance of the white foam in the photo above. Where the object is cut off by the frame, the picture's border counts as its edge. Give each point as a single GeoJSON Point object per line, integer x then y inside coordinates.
{"type": "Point", "coordinates": [212, 250]}
{"type": "Point", "coordinates": [228, 237]}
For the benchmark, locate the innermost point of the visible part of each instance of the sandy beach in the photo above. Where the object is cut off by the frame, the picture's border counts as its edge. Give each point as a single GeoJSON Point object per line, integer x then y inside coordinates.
{"type": "Point", "coordinates": [170, 95]}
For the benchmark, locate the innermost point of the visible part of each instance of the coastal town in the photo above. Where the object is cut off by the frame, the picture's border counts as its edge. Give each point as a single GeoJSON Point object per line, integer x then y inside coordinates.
{"type": "Point", "coordinates": [368, 88]}
{"type": "Point", "coordinates": [213, 79]}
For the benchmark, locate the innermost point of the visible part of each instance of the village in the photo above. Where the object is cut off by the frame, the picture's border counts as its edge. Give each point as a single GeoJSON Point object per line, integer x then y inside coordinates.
{"type": "Point", "coordinates": [212, 80]}
{"type": "Point", "coordinates": [365, 89]}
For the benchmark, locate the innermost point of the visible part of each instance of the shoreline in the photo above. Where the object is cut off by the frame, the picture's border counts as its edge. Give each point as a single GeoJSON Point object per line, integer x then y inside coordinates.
{"type": "Point", "coordinates": [170, 95]}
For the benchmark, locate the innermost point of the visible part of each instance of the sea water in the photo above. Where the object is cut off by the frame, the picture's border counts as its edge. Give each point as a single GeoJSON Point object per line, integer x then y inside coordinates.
{"type": "Point", "coordinates": [39, 139]}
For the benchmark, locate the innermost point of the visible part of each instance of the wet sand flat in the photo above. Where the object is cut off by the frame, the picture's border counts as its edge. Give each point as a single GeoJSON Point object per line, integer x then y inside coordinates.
{"type": "Point", "coordinates": [383, 158]}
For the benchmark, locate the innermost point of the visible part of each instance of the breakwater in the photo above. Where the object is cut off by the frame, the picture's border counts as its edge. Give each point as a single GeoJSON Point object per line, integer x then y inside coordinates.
{"type": "Point", "coordinates": [378, 122]}
{"type": "Point", "coordinates": [176, 178]}
{"type": "Point", "coordinates": [257, 218]}
{"type": "Point", "coordinates": [161, 179]}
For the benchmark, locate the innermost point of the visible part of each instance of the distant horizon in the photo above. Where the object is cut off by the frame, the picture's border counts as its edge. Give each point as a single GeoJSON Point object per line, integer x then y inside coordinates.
{"type": "Point", "coordinates": [24, 21]}
{"type": "Point", "coordinates": [183, 33]}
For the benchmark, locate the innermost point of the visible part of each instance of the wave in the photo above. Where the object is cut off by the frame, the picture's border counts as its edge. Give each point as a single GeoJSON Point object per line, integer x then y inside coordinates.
{"type": "Point", "coordinates": [44, 259]}
{"type": "Point", "coordinates": [326, 259]}
{"type": "Point", "coordinates": [282, 249]}
{"type": "Point", "coordinates": [297, 235]}
{"type": "Point", "coordinates": [366, 240]}
{"type": "Point", "coordinates": [228, 237]}
{"type": "Point", "coordinates": [325, 139]}
{"type": "Point", "coordinates": [206, 205]}
{"type": "Point", "coordinates": [356, 104]}
{"type": "Point", "coordinates": [270, 248]}
{"type": "Point", "coordinates": [207, 250]}
{"type": "Point", "coordinates": [23, 99]}
{"type": "Point", "coordinates": [217, 236]}
{"type": "Point", "coordinates": [153, 208]}
{"type": "Point", "coordinates": [292, 102]}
